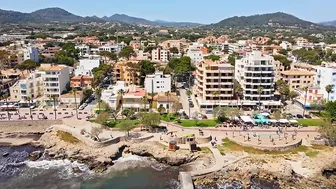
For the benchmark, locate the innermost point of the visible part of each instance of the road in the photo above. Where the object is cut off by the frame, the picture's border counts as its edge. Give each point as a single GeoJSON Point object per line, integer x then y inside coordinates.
{"type": "Point", "coordinates": [185, 103]}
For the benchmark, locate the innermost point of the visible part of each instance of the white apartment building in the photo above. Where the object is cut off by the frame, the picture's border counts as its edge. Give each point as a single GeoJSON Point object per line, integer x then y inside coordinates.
{"type": "Point", "coordinates": [84, 50]}
{"type": "Point", "coordinates": [31, 87]}
{"type": "Point", "coordinates": [112, 48]}
{"type": "Point", "coordinates": [55, 81]}
{"type": "Point", "coordinates": [214, 84]}
{"type": "Point", "coordinates": [160, 55]}
{"type": "Point", "coordinates": [30, 53]}
{"type": "Point", "coordinates": [327, 76]}
{"type": "Point", "coordinates": [142, 55]}
{"type": "Point", "coordinates": [80, 70]}
{"type": "Point", "coordinates": [286, 45]}
{"type": "Point", "coordinates": [158, 83]}
{"type": "Point", "coordinates": [110, 95]}
{"type": "Point", "coordinates": [256, 70]}
{"type": "Point", "coordinates": [195, 55]}
{"type": "Point", "coordinates": [90, 63]}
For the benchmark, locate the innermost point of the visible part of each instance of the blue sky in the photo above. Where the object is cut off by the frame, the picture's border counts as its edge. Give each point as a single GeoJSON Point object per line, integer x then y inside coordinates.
{"type": "Point", "coordinates": [201, 11]}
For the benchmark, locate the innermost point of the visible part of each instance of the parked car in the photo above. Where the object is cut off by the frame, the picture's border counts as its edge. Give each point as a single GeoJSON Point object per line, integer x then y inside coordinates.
{"type": "Point", "coordinates": [308, 116]}
{"type": "Point", "coordinates": [299, 116]}
{"type": "Point", "coordinates": [208, 111]}
{"type": "Point", "coordinates": [191, 105]}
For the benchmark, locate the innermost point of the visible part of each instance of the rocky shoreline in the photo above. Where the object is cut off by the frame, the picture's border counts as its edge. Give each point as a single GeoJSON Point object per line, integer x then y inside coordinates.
{"type": "Point", "coordinates": [277, 172]}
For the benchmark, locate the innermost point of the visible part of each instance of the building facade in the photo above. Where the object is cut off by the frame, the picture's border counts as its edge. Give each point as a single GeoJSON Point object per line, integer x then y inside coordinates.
{"type": "Point", "coordinates": [158, 83]}
{"type": "Point", "coordinates": [90, 63]}
{"type": "Point", "coordinates": [327, 76]}
{"type": "Point", "coordinates": [30, 53]}
{"type": "Point", "coordinates": [256, 70]}
{"type": "Point", "coordinates": [297, 79]}
{"type": "Point", "coordinates": [55, 81]}
{"type": "Point", "coordinates": [31, 87]}
{"type": "Point", "coordinates": [160, 55]}
{"type": "Point", "coordinates": [214, 84]}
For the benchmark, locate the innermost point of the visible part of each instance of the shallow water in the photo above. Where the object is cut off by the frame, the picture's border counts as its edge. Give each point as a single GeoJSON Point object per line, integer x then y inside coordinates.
{"type": "Point", "coordinates": [130, 172]}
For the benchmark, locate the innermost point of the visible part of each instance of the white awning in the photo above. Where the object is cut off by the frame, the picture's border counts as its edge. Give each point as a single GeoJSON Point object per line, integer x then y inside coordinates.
{"type": "Point", "coordinates": [247, 119]}
{"type": "Point", "coordinates": [293, 121]}
{"type": "Point", "coordinates": [283, 120]}
{"type": "Point", "coordinates": [265, 114]}
{"type": "Point", "coordinates": [273, 121]}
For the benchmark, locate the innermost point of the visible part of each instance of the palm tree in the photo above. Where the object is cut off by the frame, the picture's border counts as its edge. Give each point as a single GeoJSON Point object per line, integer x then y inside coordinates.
{"type": "Point", "coordinates": [54, 98]}
{"type": "Point", "coordinates": [216, 94]}
{"type": "Point", "coordinates": [168, 95]}
{"type": "Point", "coordinates": [189, 93]}
{"type": "Point", "coordinates": [329, 88]}
{"type": "Point", "coordinates": [305, 100]}
{"type": "Point", "coordinates": [5, 97]}
{"type": "Point", "coordinates": [98, 92]}
{"type": "Point", "coordinates": [121, 93]}
{"type": "Point", "coordinates": [144, 99]}
{"type": "Point", "coordinates": [239, 92]}
{"type": "Point", "coordinates": [29, 104]}
{"type": "Point", "coordinates": [74, 91]}
{"type": "Point", "coordinates": [260, 91]}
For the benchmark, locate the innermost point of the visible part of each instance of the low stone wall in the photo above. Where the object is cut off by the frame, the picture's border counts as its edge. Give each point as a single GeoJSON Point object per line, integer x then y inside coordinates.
{"type": "Point", "coordinates": [203, 140]}
{"type": "Point", "coordinates": [27, 125]}
{"type": "Point", "coordinates": [88, 140]}
{"type": "Point", "coordinates": [289, 146]}
{"type": "Point", "coordinates": [142, 139]}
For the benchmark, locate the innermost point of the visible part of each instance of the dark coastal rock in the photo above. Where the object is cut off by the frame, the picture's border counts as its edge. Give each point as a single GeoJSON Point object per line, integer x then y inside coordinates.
{"type": "Point", "coordinates": [5, 154]}
{"type": "Point", "coordinates": [162, 155]}
{"type": "Point", "coordinates": [34, 156]}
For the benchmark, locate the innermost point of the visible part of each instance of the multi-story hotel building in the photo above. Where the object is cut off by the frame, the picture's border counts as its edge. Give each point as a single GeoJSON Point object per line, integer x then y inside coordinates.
{"type": "Point", "coordinates": [214, 84]}
{"type": "Point", "coordinates": [298, 79]}
{"type": "Point", "coordinates": [31, 87]}
{"type": "Point", "coordinates": [256, 70]}
{"type": "Point", "coordinates": [55, 81]}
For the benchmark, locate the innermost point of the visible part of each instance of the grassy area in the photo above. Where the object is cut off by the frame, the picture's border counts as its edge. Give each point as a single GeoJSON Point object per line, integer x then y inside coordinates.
{"type": "Point", "coordinates": [205, 150]}
{"type": "Point", "coordinates": [312, 154]}
{"type": "Point", "coordinates": [67, 137]}
{"type": "Point", "coordinates": [200, 123]}
{"type": "Point", "coordinates": [232, 146]}
{"type": "Point", "coordinates": [165, 117]}
{"type": "Point", "coordinates": [115, 123]}
{"type": "Point", "coordinates": [310, 122]}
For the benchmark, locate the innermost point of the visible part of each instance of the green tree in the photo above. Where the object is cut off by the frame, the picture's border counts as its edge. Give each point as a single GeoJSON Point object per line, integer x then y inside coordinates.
{"type": "Point", "coordinates": [127, 113]}
{"type": "Point", "coordinates": [283, 52]}
{"type": "Point", "coordinates": [54, 99]}
{"type": "Point", "coordinates": [328, 130]}
{"type": "Point", "coordinates": [174, 50]}
{"type": "Point", "coordinates": [127, 52]}
{"type": "Point", "coordinates": [150, 120]}
{"type": "Point", "coordinates": [330, 109]}
{"type": "Point", "coordinates": [98, 92]}
{"type": "Point", "coordinates": [220, 113]}
{"type": "Point", "coordinates": [212, 57]}
{"type": "Point", "coordinates": [145, 67]}
{"type": "Point", "coordinates": [96, 131]}
{"type": "Point", "coordinates": [87, 93]}
{"type": "Point", "coordinates": [127, 126]}
{"type": "Point", "coordinates": [161, 109]}
{"type": "Point", "coordinates": [167, 94]}
{"type": "Point", "coordinates": [189, 93]}
{"type": "Point", "coordinates": [65, 60]}
{"type": "Point", "coordinates": [121, 93]}
{"type": "Point", "coordinates": [283, 59]}
{"type": "Point", "coordinates": [74, 92]}
{"type": "Point", "coordinates": [28, 99]}
{"type": "Point", "coordinates": [318, 105]}
{"type": "Point", "coordinates": [144, 100]}
{"type": "Point", "coordinates": [103, 118]}
{"type": "Point", "coordinates": [27, 65]}
{"type": "Point", "coordinates": [108, 56]}
{"type": "Point", "coordinates": [277, 115]}
{"type": "Point", "coordinates": [232, 60]}
{"type": "Point", "coordinates": [329, 88]}
{"type": "Point", "coordinates": [260, 91]}
{"type": "Point", "coordinates": [293, 95]}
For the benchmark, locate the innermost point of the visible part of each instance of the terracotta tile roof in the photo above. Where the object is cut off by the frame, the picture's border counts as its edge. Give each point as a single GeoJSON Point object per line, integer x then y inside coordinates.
{"type": "Point", "coordinates": [297, 73]}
